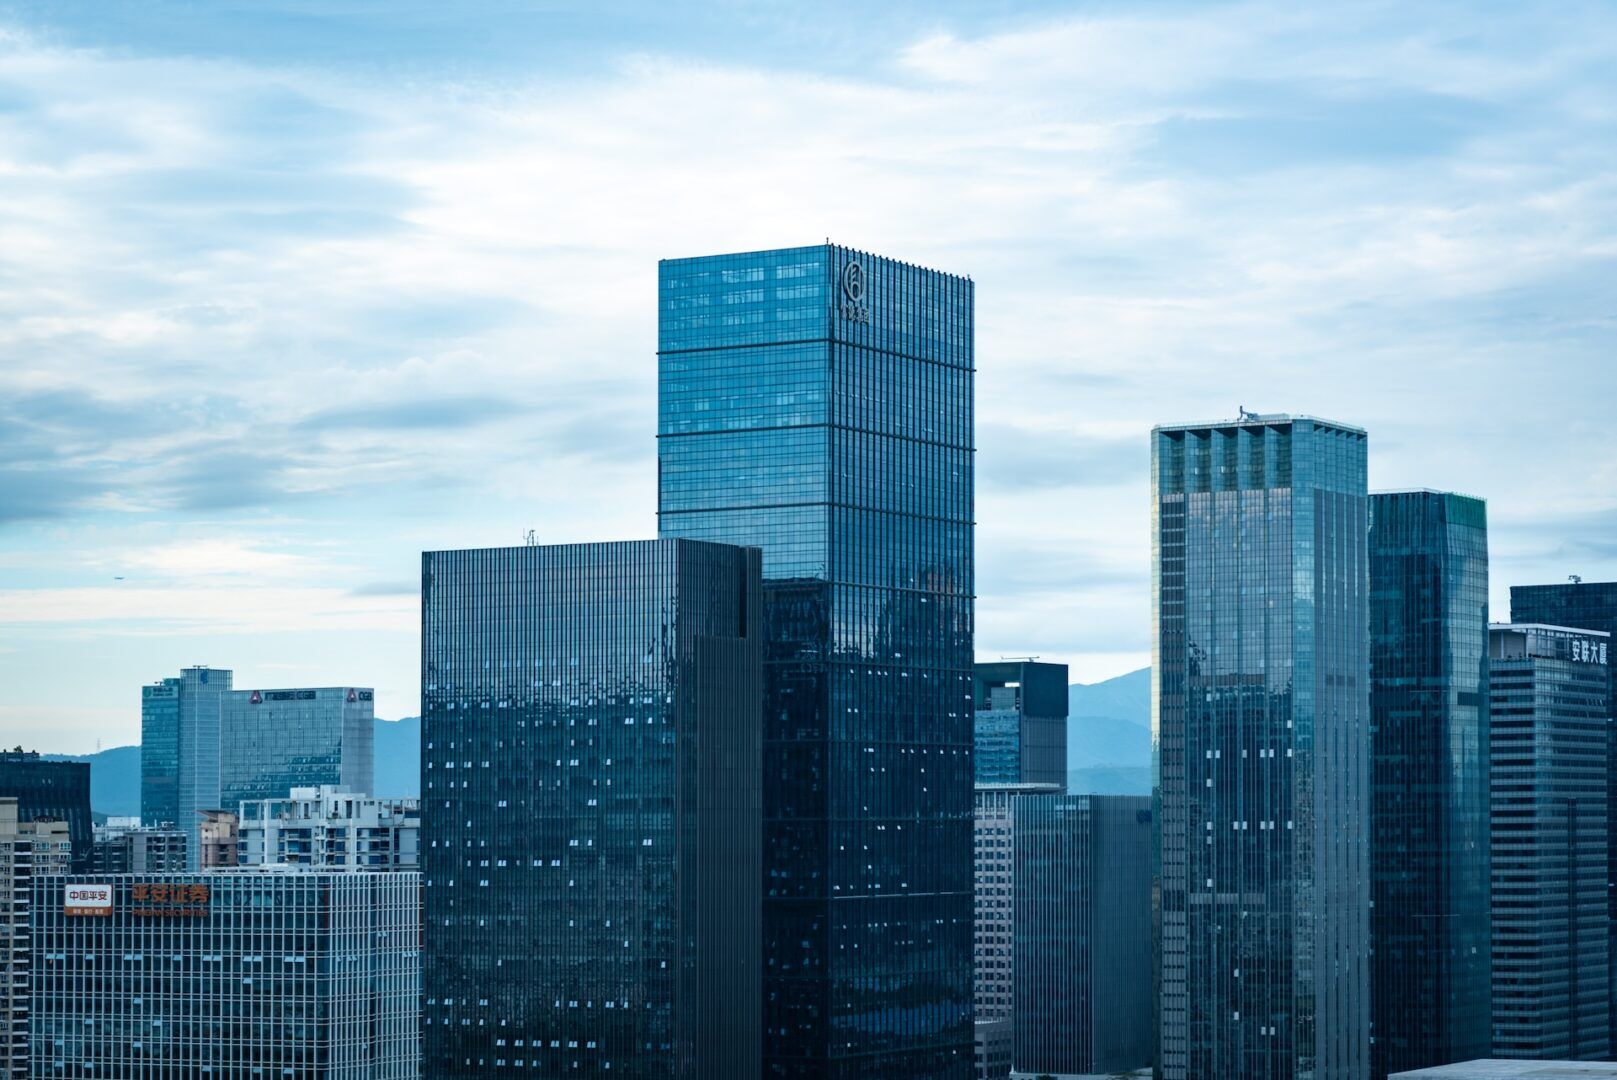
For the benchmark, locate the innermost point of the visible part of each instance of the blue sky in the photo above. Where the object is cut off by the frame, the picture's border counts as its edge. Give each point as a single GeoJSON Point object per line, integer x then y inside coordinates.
{"type": "Point", "coordinates": [290, 292]}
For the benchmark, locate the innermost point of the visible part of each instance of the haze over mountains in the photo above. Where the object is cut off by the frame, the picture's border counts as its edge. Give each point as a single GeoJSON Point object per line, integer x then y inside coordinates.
{"type": "Point", "coordinates": [1108, 749]}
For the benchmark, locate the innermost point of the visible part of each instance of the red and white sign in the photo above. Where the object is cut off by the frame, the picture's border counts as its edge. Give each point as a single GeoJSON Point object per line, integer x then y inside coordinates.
{"type": "Point", "coordinates": [87, 900]}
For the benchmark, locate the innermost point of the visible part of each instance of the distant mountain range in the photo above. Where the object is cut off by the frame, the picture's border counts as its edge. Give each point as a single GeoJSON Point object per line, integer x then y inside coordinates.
{"type": "Point", "coordinates": [1108, 749]}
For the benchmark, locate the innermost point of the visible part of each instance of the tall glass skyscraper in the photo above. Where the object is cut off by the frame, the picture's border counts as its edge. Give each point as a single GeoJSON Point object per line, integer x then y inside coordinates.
{"type": "Point", "coordinates": [1021, 723]}
{"type": "Point", "coordinates": [1549, 715]}
{"type": "Point", "coordinates": [1588, 605]}
{"type": "Point", "coordinates": [272, 741]}
{"type": "Point", "coordinates": [180, 722]}
{"type": "Point", "coordinates": [817, 402]}
{"type": "Point", "coordinates": [1430, 979]}
{"type": "Point", "coordinates": [1260, 719]}
{"type": "Point", "coordinates": [590, 806]}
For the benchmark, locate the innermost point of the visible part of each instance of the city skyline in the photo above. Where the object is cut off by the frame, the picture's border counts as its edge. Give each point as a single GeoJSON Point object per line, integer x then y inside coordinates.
{"type": "Point", "coordinates": [303, 307]}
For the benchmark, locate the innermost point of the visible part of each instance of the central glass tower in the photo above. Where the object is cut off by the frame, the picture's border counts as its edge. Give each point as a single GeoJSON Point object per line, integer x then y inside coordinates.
{"type": "Point", "coordinates": [1261, 730]}
{"type": "Point", "coordinates": [816, 402]}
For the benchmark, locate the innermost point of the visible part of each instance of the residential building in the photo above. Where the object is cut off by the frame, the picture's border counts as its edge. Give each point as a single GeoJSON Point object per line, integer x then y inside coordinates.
{"type": "Point", "coordinates": [219, 835]}
{"type": "Point", "coordinates": [330, 828]}
{"type": "Point", "coordinates": [1082, 941]}
{"type": "Point", "coordinates": [591, 830]}
{"type": "Point", "coordinates": [228, 973]}
{"type": "Point", "coordinates": [29, 848]}
{"type": "Point", "coordinates": [1590, 605]}
{"type": "Point", "coordinates": [125, 846]}
{"type": "Point", "coordinates": [179, 749]}
{"type": "Point", "coordinates": [50, 789]}
{"type": "Point", "coordinates": [993, 926]}
{"type": "Point", "coordinates": [1550, 710]}
{"type": "Point", "coordinates": [1262, 767]}
{"type": "Point", "coordinates": [816, 403]}
{"type": "Point", "coordinates": [1430, 968]}
{"type": "Point", "coordinates": [272, 741]}
{"type": "Point", "coordinates": [1020, 732]}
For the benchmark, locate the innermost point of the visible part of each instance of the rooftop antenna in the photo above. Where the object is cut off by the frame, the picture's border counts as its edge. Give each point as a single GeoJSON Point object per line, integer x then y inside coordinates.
{"type": "Point", "coordinates": [1242, 414]}
{"type": "Point", "coordinates": [1575, 579]}
{"type": "Point", "coordinates": [530, 539]}
{"type": "Point", "coordinates": [1029, 659]}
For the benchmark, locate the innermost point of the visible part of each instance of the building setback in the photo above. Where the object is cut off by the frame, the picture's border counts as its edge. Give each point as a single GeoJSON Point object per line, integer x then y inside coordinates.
{"type": "Point", "coordinates": [331, 829]}
{"type": "Point", "coordinates": [1588, 605]}
{"type": "Point", "coordinates": [1261, 711]}
{"type": "Point", "coordinates": [179, 750]}
{"type": "Point", "coordinates": [591, 821]}
{"type": "Point", "coordinates": [28, 849]}
{"type": "Point", "coordinates": [228, 974]}
{"type": "Point", "coordinates": [1430, 978]}
{"type": "Point", "coordinates": [1021, 723]}
{"type": "Point", "coordinates": [1083, 934]}
{"type": "Point", "coordinates": [51, 789]}
{"type": "Point", "coordinates": [816, 402]}
{"type": "Point", "coordinates": [1548, 733]}
{"type": "Point", "coordinates": [272, 741]}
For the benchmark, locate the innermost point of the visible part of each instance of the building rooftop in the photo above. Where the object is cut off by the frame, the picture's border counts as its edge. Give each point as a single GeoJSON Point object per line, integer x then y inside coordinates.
{"type": "Point", "coordinates": [1547, 626]}
{"type": "Point", "coordinates": [1249, 419]}
{"type": "Point", "coordinates": [1489, 1069]}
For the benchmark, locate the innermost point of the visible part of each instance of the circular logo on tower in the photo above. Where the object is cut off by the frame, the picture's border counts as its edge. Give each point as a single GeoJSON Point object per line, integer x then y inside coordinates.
{"type": "Point", "coordinates": [853, 281]}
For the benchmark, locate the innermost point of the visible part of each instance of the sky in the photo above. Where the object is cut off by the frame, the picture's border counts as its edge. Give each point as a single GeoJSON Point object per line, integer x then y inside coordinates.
{"type": "Point", "coordinates": [291, 292]}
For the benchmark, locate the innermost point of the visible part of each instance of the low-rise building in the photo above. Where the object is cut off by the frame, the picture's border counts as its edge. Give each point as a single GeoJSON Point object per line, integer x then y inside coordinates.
{"type": "Point", "coordinates": [331, 828]}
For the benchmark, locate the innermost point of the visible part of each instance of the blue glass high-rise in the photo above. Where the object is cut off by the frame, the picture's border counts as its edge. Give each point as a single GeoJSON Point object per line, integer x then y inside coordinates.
{"type": "Point", "coordinates": [180, 724]}
{"type": "Point", "coordinates": [817, 402]}
{"type": "Point", "coordinates": [1261, 726]}
{"type": "Point", "coordinates": [1430, 972]}
{"type": "Point", "coordinates": [1021, 723]}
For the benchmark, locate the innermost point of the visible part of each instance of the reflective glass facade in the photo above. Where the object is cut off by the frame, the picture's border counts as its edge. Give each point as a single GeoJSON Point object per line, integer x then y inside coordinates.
{"type": "Point", "coordinates": [1429, 780]}
{"type": "Point", "coordinates": [51, 789]}
{"type": "Point", "coordinates": [180, 722]}
{"type": "Point", "coordinates": [590, 806]}
{"type": "Point", "coordinates": [1587, 605]}
{"type": "Point", "coordinates": [1261, 755]}
{"type": "Point", "coordinates": [1021, 723]}
{"type": "Point", "coordinates": [272, 741]}
{"type": "Point", "coordinates": [1082, 934]}
{"type": "Point", "coordinates": [1548, 728]}
{"type": "Point", "coordinates": [302, 976]}
{"type": "Point", "coordinates": [817, 402]}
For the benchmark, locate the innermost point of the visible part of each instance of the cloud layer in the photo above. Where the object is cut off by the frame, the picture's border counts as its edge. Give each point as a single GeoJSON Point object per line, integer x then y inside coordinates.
{"type": "Point", "coordinates": [267, 308]}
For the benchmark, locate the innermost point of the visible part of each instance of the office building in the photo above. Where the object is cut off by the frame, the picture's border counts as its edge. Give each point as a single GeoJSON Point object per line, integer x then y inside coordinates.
{"type": "Point", "coordinates": [219, 833]}
{"type": "Point", "coordinates": [1588, 605]}
{"type": "Point", "coordinates": [1506, 1069]}
{"type": "Point", "coordinates": [125, 846]}
{"type": "Point", "coordinates": [1549, 714]}
{"type": "Point", "coordinates": [1261, 711]}
{"type": "Point", "coordinates": [591, 810]}
{"type": "Point", "coordinates": [816, 402]}
{"type": "Point", "coordinates": [228, 974]}
{"type": "Point", "coordinates": [993, 901]}
{"type": "Point", "coordinates": [29, 848]}
{"type": "Point", "coordinates": [272, 741]}
{"type": "Point", "coordinates": [1430, 977]}
{"type": "Point", "coordinates": [329, 828]}
{"type": "Point", "coordinates": [50, 789]}
{"type": "Point", "coordinates": [1021, 723]}
{"type": "Point", "coordinates": [1082, 938]}
{"type": "Point", "coordinates": [179, 749]}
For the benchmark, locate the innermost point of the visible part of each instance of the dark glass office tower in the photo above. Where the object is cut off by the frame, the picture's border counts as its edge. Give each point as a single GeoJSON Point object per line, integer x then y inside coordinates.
{"type": "Point", "coordinates": [51, 789]}
{"type": "Point", "coordinates": [1430, 978]}
{"type": "Point", "coordinates": [1262, 748]}
{"type": "Point", "coordinates": [179, 751]}
{"type": "Point", "coordinates": [817, 402]}
{"type": "Point", "coordinates": [591, 810]}
{"type": "Point", "coordinates": [1590, 605]}
{"type": "Point", "coordinates": [1549, 714]}
{"type": "Point", "coordinates": [1082, 934]}
{"type": "Point", "coordinates": [272, 741]}
{"type": "Point", "coordinates": [1021, 723]}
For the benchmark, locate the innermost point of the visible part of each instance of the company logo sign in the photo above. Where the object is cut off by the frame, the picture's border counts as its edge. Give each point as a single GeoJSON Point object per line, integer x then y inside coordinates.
{"type": "Point", "coordinates": [162, 900]}
{"type": "Point", "coordinates": [256, 699]}
{"type": "Point", "coordinates": [91, 900]}
{"type": "Point", "coordinates": [854, 285]}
